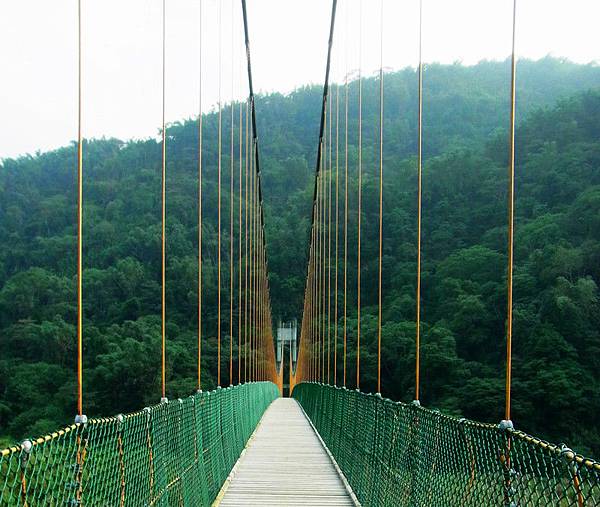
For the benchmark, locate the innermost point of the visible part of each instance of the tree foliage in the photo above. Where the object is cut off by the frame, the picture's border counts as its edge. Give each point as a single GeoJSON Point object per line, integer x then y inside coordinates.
{"type": "Point", "coordinates": [557, 272]}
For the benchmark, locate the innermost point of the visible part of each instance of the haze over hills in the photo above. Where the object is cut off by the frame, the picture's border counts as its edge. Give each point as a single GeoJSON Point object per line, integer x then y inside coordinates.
{"type": "Point", "coordinates": [557, 311]}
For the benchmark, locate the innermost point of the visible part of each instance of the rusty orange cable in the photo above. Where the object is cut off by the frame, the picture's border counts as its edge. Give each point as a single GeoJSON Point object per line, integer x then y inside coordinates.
{"type": "Point", "coordinates": [199, 347]}
{"type": "Point", "coordinates": [219, 142]}
{"type": "Point", "coordinates": [329, 250]}
{"type": "Point", "coordinates": [419, 208]}
{"type": "Point", "coordinates": [241, 141]}
{"type": "Point", "coordinates": [511, 216]}
{"type": "Point", "coordinates": [345, 224]}
{"type": "Point", "coordinates": [358, 262]}
{"type": "Point", "coordinates": [246, 295]}
{"type": "Point", "coordinates": [380, 204]}
{"type": "Point", "coordinates": [164, 212]}
{"type": "Point", "coordinates": [324, 266]}
{"type": "Point", "coordinates": [337, 216]}
{"type": "Point", "coordinates": [324, 258]}
{"type": "Point", "coordinates": [318, 279]}
{"type": "Point", "coordinates": [251, 263]}
{"type": "Point", "coordinates": [79, 219]}
{"type": "Point", "coordinates": [231, 196]}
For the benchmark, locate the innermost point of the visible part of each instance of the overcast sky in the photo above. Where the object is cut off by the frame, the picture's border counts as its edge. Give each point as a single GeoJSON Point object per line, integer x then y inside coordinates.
{"type": "Point", "coordinates": [122, 53]}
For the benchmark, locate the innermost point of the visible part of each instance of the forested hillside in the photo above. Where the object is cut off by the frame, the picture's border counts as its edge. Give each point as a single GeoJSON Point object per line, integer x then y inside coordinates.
{"type": "Point", "coordinates": [557, 311]}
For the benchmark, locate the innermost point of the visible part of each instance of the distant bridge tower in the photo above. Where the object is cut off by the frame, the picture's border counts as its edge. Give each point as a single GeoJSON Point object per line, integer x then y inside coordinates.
{"type": "Point", "coordinates": [287, 335]}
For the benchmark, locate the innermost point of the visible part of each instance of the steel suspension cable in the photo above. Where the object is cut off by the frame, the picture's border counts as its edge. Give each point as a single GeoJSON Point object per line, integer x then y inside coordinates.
{"type": "Point", "coordinates": [337, 196]}
{"type": "Point", "coordinates": [246, 295]}
{"type": "Point", "coordinates": [380, 202]}
{"type": "Point", "coordinates": [318, 274]}
{"type": "Point", "coordinates": [329, 251]}
{"type": "Point", "coordinates": [240, 197]}
{"type": "Point", "coordinates": [324, 255]}
{"type": "Point", "coordinates": [256, 157]}
{"type": "Point", "coordinates": [199, 359]}
{"type": "Point", "coordinates": [219, 145]}
{"type": "Point", "coordinates": [164, 210]}
{"type": "Point", "coordinates": [231, 196]}
{"type": "Point", "coordinates": [79, 219]}
{"type": "Point", "coordinates": [358, 273]}
{"type": "Point", "coordinates": [254, 274]}
{"type": "Point", "coordinates": [256, 279]}
{"type": "Point", "coordinates": [419, 206]}
{"type": "Point", "coordinates": [318, 167]}
{"type": "Point", "coordinates": [251, 266]}
{"type": "Point", "coordinates": [511, 216]}
{"type": "Point", "coordinates": [346, 212]}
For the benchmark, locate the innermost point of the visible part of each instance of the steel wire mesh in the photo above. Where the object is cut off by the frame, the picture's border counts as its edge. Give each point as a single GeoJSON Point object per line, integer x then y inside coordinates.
{"type": "Point", "coordinates": [397, 454]}
{"type": "Point", "coordinates": [177, 453]}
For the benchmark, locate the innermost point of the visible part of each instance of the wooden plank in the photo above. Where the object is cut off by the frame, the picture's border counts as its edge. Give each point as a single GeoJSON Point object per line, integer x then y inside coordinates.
{"type": "Point", "coordinates": [285, 464]}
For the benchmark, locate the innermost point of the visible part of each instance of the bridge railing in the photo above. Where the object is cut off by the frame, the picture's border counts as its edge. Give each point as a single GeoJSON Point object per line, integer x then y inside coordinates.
{"type": "Point", "coordinates": [174, 453]}
{"type": "Point", "coordinates": [400, 454]}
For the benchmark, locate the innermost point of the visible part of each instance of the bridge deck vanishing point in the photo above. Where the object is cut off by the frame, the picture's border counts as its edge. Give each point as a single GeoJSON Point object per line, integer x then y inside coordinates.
{"type": "Point", "coordinates": [285, 464]}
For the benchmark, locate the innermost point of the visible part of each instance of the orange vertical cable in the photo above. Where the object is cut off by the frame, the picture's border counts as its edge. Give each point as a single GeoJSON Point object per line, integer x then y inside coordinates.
{"type": "Point", "coordinates": [246, 251]}
{"type": "Point", "coordinates": [231, 197]}
{"type": "Point", "coordinates": [419, 207]}
{"type": "Point", "coordinates": [256, 274]}
{"type": "Point", "coordinates": [337, 216]}
{"type": "Point", "coordinates": [164, 209]}
{"type": "Point", "coordinates": [219, 142]}
{"type": "Point", "coordinates": [313, 296]}
{"type": "Point", "coordinates": [241, 141]}
{"type": "Point", "coordinates": [253, 278]}
{"type": "Point", "coordinates": [251, 262]}
{"type": "Point", "coordinates": [79, 220]}
{"type": "Point", "coordinates": [200, 209]}
{"type": "Point", "coordinates": [345, 221]}
{"type": "Point", "coordinates": [231, 164]}
{"type": "Point", "coordinates": [324, 262]}
{"type": "Point", "coordinates": [324, 271]}
{"type": "Point", "coordinates": [318, 280]}
{"type": "Point", "coordinates": [254, 270]}
{"type": "Point", "coordinates": [358, 287]}
{"type": "Point", "coordinates": [511, 217]}
{"type": "Point", "coordinates": [380, 202]}
{"type": "Point", "coordinates": [329, 252]}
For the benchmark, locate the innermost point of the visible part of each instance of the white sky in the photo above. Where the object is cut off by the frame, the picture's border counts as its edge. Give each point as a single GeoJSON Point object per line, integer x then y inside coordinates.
{"type": "Point", "coordinates": [122, 53]}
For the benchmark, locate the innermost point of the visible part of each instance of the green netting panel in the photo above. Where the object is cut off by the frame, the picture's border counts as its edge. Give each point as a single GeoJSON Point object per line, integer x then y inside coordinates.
{"type": "Point", "coordinates": [173, 454]}
{"type": "Point", "coordinates": [400, 454]}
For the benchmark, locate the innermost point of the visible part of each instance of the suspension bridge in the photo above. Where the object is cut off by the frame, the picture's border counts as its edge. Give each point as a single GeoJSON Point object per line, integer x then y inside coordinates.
{"type": "Point", "coordinates": [328, 443]}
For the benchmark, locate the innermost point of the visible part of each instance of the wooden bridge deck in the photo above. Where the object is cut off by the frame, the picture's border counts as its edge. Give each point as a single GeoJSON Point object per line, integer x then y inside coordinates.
{"type": "Point", "coordinates": [285, 464]}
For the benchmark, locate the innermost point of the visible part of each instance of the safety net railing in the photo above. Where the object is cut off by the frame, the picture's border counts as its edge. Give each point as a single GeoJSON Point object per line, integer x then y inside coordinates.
{"type": "Point", "coordinates": [396, 454]}
{"type": "Point", "coordinates": [175, 453]}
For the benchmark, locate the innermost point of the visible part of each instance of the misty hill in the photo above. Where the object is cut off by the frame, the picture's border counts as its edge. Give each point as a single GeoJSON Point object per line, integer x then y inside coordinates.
{"type": "Point", "coordinates": [557, 313]}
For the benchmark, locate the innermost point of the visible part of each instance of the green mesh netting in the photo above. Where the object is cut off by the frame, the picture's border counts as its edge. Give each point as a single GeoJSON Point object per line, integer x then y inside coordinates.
{"type": "Point", "coordinates": [400, 454]}
{"type": "Point", "coordinates": [173, 454]}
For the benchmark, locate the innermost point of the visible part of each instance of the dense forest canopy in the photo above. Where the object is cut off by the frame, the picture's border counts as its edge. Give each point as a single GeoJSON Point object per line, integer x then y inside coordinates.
{"type": "Point", "coordinates": [556, 313]}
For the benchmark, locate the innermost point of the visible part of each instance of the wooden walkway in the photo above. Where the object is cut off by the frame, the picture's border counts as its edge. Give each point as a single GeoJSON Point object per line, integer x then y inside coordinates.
{"type": "Point", "coordinates": [285, 464]}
